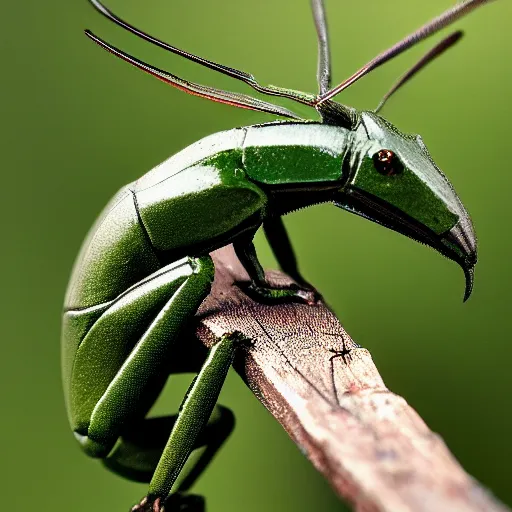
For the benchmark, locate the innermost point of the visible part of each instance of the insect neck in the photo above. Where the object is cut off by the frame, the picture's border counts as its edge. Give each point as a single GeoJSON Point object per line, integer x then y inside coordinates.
{"type": "Point", "coordinates": [297, 164]}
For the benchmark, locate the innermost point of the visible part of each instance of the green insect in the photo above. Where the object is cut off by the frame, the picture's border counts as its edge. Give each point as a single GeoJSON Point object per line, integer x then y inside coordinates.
{"type": "Point", "coordinates": [145, 268]}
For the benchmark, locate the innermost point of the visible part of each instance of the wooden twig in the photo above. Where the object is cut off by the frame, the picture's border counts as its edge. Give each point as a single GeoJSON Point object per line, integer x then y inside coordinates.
{"type": "Point", "coordinates": [373, 448]}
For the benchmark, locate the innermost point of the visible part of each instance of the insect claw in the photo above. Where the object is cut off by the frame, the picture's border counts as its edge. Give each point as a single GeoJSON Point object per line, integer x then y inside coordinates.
{"type": "Point", "coordinates": [141, 506]}
{"type": "Point", "coordinates": [179, 502]}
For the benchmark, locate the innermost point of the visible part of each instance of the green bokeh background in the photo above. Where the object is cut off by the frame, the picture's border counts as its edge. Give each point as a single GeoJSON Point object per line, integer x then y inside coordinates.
{"type": "Point", "coordinates": [76, 124]}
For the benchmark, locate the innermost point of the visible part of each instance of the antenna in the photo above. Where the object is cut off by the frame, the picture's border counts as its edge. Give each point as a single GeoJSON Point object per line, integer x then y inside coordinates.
{"type": "Point", "coordinates": [438, 50]}
{"type": "Point", "coordinates": [298, 96]}
{"type": "Point", "coordinates": [324, 54]}
{"type": "Point", "coordinates": [442, 21]}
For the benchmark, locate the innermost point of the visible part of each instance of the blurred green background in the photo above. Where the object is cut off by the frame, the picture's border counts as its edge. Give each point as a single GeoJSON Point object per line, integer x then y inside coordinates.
{"type": "Point", "coordinates": [76, 124]}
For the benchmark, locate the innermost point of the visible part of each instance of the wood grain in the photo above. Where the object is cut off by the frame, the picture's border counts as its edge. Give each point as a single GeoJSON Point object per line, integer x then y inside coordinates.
{"type": "Point", "coordinates": [373, 448]}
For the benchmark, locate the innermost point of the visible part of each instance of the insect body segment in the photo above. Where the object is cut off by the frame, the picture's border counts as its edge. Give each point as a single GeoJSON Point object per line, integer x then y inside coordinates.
{"type": "Point", "coordinates": [144, 268]}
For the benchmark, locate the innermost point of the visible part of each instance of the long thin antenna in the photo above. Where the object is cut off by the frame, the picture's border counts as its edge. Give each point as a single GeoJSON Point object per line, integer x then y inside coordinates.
{"type": "Point", "coordinates": [324, 54]}
{"type": "Point", "coordinates": [298, 96]}
{"type": "Point", "coordinates": [438, 50]}
{"type": "Point", "coordinates": [442, 21]}
{"type": "Point", "coordinates": [211, 93]}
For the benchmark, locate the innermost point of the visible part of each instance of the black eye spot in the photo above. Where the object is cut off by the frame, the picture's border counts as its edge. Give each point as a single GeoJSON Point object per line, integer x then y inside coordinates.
{"type": "Point", "coordinates": [387, 163]}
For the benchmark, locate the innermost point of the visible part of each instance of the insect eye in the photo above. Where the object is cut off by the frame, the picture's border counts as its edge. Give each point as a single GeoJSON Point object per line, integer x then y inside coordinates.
{"type": "Point", "coordinates": [387, 163]}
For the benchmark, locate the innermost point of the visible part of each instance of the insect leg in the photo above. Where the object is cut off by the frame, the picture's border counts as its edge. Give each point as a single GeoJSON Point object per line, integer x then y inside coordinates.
{"type": "Point", "coordinates": [144, 326]}
{"type": "Point", "coordinates": [163, 304]}
{"type": "Point", "coordinates": [259, 288]}
{"type": "Point", "coordinates": [246, 252]}
{"type": "Point", "coordinates": [279, 241]}
{"type": "Point", "coordinates": [179, 291]}
{"type": "Point", "coordinates": [142, 443]}
{"type": "Point", "coordinates": [193, 416]}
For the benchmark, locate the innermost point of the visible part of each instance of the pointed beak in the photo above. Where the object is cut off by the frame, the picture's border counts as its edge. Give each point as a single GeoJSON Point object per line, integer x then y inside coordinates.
{"type": "Point", "coordinates": [462, 237]}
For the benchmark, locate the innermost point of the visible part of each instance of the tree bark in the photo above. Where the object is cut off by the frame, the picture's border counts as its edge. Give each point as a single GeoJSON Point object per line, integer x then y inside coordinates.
{"type": "Point", "coordinates": [373, 448]}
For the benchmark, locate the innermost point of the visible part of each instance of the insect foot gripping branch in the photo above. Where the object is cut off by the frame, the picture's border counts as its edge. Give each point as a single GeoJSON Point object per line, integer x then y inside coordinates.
{"type": "Point", "coordinates": [144, 268]}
